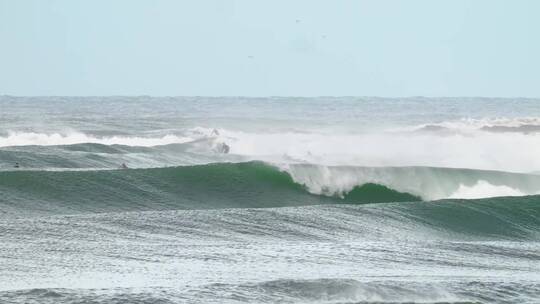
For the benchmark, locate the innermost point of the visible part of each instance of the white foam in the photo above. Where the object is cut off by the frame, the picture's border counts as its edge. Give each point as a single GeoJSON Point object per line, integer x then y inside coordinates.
{"type": "Point", "coordinates": [483, 189]}
{"type": "Point", "coordinates": [475, 124]}
{"type": "Point", "coordinates": [515, 152]}
{"type": "Point", "coordinates": [428, 183]}
{"type": "Point", "coordinates": [43, 139]}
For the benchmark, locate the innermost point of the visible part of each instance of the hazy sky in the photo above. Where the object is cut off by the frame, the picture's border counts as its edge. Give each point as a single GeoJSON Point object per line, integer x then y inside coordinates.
{"type": "Point", "coordinates": [261, 48]}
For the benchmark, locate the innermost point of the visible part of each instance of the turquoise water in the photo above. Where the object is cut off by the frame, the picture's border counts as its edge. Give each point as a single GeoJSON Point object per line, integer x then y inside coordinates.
{"type": "Point", "coordinates": [264, 200]}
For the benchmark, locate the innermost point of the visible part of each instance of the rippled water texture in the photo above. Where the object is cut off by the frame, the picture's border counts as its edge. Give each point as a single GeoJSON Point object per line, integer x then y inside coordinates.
{"type": "Point", "coordinates": [269, 200]}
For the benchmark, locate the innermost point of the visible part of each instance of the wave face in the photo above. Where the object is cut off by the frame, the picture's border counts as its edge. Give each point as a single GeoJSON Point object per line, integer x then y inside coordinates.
{"type": "Point", "coordinates": [190, 187]}
{"type": "Point", "coordinates": [265, 200]}
{"type": "Point", "coordinates": [251, 184]}
{"type": "Point", "coordinates": [221, 185]}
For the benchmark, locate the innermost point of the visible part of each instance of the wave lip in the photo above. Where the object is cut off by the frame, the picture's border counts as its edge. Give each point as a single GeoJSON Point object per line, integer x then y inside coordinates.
{"type": "Point", "coordinates": [427, 183]}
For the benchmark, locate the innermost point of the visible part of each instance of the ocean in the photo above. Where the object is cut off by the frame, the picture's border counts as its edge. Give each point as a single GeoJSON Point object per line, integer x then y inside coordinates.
{"type": "Point", "coordinates": [269, 200]}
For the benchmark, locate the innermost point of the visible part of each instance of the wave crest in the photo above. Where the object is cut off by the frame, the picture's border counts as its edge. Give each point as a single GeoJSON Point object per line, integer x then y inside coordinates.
{"type": "Point", "coordinates": [425, 182]}
{"type": "Point", "coordinates": [483, 189]}
{"type": "Point", "coordinates": [53, 139]}
{"type": "Point", "coordinates": [524, 125]}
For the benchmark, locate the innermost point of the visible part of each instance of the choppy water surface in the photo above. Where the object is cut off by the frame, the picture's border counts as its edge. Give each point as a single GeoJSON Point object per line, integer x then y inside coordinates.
{"type": "Point", "coordinates": [265, 200]}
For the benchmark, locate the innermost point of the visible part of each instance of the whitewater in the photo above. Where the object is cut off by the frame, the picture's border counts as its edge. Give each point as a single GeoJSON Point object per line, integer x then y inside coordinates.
{"type": "Point", "coordinates": [264, 200]}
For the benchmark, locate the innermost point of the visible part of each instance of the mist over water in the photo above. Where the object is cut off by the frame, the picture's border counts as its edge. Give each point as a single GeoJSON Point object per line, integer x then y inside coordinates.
{"type": "Point", "coordinates": [264, 200]}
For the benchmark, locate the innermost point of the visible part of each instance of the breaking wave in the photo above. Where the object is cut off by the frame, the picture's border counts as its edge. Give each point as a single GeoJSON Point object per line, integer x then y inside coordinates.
{"type": "Point", "coordinates": [250, 184]}
{"type": "Point", "coordinates": [477, 149]}
{"type": "Point", "coordinates": [463, 144]}
{"type": "Point", "coordinates": [54, 139]}
{"type": "Point", "coordinates": [429, 183]}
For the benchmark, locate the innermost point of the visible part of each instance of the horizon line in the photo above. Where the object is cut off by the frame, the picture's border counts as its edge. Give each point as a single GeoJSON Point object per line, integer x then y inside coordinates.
{"type": "Point", "coordinates": [270, 96]}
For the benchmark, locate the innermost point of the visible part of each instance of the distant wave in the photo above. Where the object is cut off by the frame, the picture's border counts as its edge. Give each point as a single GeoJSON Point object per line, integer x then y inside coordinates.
{"type": "Point", "coordinates": [525, 125]}
{"type": "Point", "coordinates": [53, 139]}
{"type": "Point", "coordinates": [94, 156]}
{"type": "Point", "coordinates": [251, 184]}
{"type": "Point", "coordinates": [477, 149]}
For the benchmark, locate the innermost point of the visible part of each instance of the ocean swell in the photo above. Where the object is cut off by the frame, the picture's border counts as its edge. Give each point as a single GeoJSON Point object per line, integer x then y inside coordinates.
{"type": "Point", "coordinates": [250, 184]}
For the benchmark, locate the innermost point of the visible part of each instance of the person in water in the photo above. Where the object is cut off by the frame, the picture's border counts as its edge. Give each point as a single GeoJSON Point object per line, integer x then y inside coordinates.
{"type": "Point", "coordinates": [123, 166]}
{"type": "Point", "coordinates": [16, 165]}
{"type": "Point", "coordinates": [223, 148]}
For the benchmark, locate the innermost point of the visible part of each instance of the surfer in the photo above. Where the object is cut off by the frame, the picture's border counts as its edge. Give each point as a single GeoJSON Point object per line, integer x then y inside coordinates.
{"type": "Point", "coordinates": [123, 166]}
{"type": "Point", "coordinates": [16, 165]}
{"type": "Point", "coordinates": [223, 148]}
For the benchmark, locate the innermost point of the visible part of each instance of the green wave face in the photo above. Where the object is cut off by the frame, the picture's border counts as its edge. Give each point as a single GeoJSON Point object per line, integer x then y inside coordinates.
{"type": "Point", "coordinates": [249, 185]}
{"type": "Point", "coordinates": [192, 187]}
{"type": "Point", "coordinates": [219, 185]}
{"type": "Point", "coordinates": [253, 185]}
{"type": "Point", "coordinates": [490, 218]}
{"type": "Point", "coordinates": [374, 193]}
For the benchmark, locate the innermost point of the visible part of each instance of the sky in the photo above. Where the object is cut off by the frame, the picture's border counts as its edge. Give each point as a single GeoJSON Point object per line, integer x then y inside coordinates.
{"type": "Point", "coordinates": [386, 48]}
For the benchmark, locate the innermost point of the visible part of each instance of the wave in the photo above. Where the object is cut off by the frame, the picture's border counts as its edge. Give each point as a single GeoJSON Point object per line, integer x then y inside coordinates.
{"type": "Point", "coordinates": [428, 183]}
{"type": "Point", "coordinates": [478, 149]}
{"type": "Point", "coordinates": [250, 184]}
{"type": "Point", "coordinates": [218, 185]}
{"type": "Point", "coordinates": [96, 156]}
{"type": "Point", "coordinates": [330, 290]}
{"type": "Point", "coordinates": [71, 138]}
{"type": "Point", "coordinates": [525, 125]}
